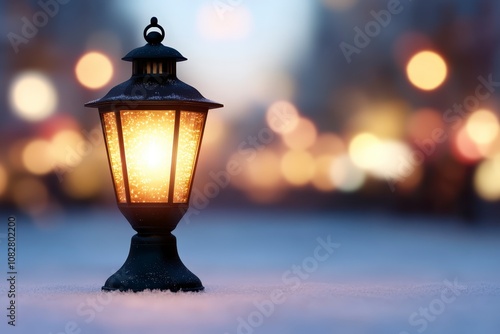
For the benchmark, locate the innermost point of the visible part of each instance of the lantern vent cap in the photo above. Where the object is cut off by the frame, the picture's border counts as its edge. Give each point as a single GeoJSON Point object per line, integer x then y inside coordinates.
{"type": "Point", "coordinates": [154, 49]}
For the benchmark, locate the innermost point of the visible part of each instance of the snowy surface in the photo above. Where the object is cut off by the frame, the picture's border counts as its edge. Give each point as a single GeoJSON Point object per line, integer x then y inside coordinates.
{"type": "Point", "coordinates": [385, 275]}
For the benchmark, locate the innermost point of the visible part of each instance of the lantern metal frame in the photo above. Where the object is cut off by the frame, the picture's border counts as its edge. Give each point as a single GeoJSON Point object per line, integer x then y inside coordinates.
{"type": "Point", "coordinates": [153, 261]}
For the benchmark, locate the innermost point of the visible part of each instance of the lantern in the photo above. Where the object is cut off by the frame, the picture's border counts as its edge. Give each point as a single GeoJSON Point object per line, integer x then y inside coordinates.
{"type": "Point", "coordinates": [153, 128]}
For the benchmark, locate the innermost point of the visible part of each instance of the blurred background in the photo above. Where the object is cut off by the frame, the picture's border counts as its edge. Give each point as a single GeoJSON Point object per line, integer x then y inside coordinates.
{"type": "Point", "coordinates": [341, 105]}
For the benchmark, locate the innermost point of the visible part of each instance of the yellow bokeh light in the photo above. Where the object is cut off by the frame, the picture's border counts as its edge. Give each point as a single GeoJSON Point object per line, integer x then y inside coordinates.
{"type": "Point", "coordinates": [482, 127]}
{"type": "Point", "coordinates": [487, 179]}
{"type": "Point", "coordinates": [322, 179]}
{"type": "Point", "coordinates": [427, 70]}
{"type": "Point", "coordinates": [302, 136]}
{"type": "Point", "coordinates": [264, 172]}
{"type": "Point", "coordinates": [392, 155]}
{"type": "Point", "coordinates": [68, 148]}
{"type": "Point", "coordinates": [363, 150]}
{"type": "Point", "coordinates": [3, 179]}
{"type": "Point", "coordinates": [94, 70]}
{"type": "Point", "coordinates": [32, 96]}
{"type": "Point", "coordinates": [297, 167]}
{"type": "Point", "coordinates": [345, 175]}
{"type": "Point", "coordinates": [282, 117]}
{"type": "Point", "coordinates": [383, 119]}
{"type": "Point", "coordinates": [37, 157]}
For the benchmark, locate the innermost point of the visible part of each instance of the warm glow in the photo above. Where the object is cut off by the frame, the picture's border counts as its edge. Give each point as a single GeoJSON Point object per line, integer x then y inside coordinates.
{"type": "Point", "coordinates": [32, 96]}
{"type": "Point", "coordinates": [328, 144]}
{"type": "Point", "coordinates": [3, 179]}
{"type": "Point", "coordinates": [148, 139]}
{"type": "Point", "coordinates": [191, 128]}
{"type": "Point", "coordinates": [37, 157]}
{"type": "Point", "coordinates": [363, 150]}
{"type": "Point", "coordinates": [214, 131]}
{"type": "Point", "coordinates": [423, 124]}
{"type": "Point", "coordinates": [297, 167]}
{"type": "Point", "coordinates": [381, 158]}
{"type": "Point", "coordinates": [464, 148]}
{"type": "Point", "coordinates": [69, 147]}
{"type": "Point", "coordinates": [426, 70]}
{"type": "Point", "coordinates": [482, 127]}
{"type": "Point", "coordinates": [109, 124]}
{"type": "Point", "coordinates": [146, 134]}
{"type": "Point", "coordinates": [382, 119]}
{"type": "Point", "coordinates": [322, 179]}
{"type": "Point", "coordinates": [264, 172]}
{"type": "Point", "coordinates": [94, 70]}
{"type": "Point", "coordinates": [302, 136]}
{"type": "Point", "coordinates": [487, 179]}
{"type": "Point", "coordinates": [345, 175]}
{"type": "Point", "coordinates": [282, 117]}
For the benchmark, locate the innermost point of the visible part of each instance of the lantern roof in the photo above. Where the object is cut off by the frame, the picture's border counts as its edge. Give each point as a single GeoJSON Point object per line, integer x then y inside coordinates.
{"type": "Point", "coordinates": [154, 49]}
{"type": "Point", "coordinates": [154, 78]}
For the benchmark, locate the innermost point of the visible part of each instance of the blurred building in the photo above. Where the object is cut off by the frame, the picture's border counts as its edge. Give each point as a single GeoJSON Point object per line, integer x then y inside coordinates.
{"type": "Point", "coordinates": [330, 105]}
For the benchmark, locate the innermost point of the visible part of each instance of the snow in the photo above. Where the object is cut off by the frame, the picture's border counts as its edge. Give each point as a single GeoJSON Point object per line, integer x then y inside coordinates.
{"type": "Point", "coordinates": [381, 273]}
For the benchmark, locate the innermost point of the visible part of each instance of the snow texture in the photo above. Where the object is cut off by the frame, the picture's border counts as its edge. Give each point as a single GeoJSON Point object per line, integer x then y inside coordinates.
{"type": "Point", "coordinates": [384, 275]}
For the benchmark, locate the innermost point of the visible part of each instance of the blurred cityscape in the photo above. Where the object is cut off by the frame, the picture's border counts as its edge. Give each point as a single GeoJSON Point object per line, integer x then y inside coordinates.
{"type": "Point", "coordinates": [376, 105]}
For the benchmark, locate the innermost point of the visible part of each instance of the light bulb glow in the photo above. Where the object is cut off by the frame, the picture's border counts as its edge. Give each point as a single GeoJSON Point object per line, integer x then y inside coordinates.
{"type": "Point", "coordinates": [148, 148]}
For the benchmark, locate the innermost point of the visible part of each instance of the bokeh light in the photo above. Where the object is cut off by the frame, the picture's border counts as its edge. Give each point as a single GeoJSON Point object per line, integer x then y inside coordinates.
{"type": "Point", "coordinates": [297, 167]}
{"type": "Point", "coordinates": [363, 150]}
{"type": "Point", "coordinates": [427, 70]}
{"type": "Point", "coordinates": [302, 136]}
{"type": "Point", "coordinates": [381, 158]}
{"type": "Point", "coordinates": [382, 119]}
{"type": "Point", "coordinates": [264, 172]}
{"type": "Point", "coordinates": [4, 178]}
{"type": "Point", "coordinates": [464, 148]}
{"type": "Point", "coordinates": [482, 127]}
{"type": "Point", "coordinates": [37, 157]}
{"type": "Point", "coordinates": [345, 175]}
{"type": "Point", "coordinates": [422, 124]}
{"type": "Point", "coordinates": [328, 144]}
{"type": "Point", "coordinates": [32, 96]}
{"type": "Point", "coordinates": [94, 70]}
{"type": "Point", "coordinates": [282, 117]}
{"type": "Point", "coordinates": [322, 180]}
{"type": "Point", "coordinates": [487, 179]}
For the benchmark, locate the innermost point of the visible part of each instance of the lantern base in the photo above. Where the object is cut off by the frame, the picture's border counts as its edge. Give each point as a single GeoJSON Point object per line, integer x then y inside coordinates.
{"type": "Point", "coordinates": [153, 264]}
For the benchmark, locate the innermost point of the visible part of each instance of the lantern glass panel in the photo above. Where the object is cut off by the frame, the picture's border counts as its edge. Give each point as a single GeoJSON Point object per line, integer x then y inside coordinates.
{"type": "Point", "coordinates": [113, 146]}
{"type": "Point", "coordinates": [148, 137]}
{"type": "Point", "coordinates": [191, 126]}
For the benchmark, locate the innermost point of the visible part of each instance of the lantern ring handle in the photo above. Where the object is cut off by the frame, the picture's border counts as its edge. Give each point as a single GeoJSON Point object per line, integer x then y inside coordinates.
{"type": "Point", "coordinates": [154, 37]}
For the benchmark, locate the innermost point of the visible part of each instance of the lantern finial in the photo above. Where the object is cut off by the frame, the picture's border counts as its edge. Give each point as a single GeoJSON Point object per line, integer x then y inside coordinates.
{"type": "Point", "coordinates": [154, 37]}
